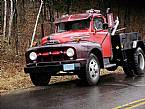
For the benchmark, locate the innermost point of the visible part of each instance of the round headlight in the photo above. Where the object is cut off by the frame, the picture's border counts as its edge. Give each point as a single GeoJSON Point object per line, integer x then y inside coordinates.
{"type": "Point", "coordinates": [70, 52]}
{"type": "Point", "coordinates": [33, 56]}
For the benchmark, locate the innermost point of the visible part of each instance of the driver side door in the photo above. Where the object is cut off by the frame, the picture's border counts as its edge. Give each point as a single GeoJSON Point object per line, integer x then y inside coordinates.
{"type": "Point", "coordinates": [102, 36]}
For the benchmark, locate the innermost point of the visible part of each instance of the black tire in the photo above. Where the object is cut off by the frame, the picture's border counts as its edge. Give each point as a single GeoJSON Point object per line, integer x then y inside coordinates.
{"type": "Point", "coordinates": [139, 61]}
{"type": "Point", "coordinates": [127, 66]}
{"type": "Point", "coordinates": [81, 74]}
{"type": "Point", "coordinates": [92, 70]}
{"type": "Point", "coordinates": [128, 71]}
{"type": "Point", "coordinates": [39, 79]}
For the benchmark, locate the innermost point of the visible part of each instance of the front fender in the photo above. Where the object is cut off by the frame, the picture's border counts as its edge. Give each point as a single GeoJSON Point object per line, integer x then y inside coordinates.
{"type": "Point", "coordinates": [96, 49]}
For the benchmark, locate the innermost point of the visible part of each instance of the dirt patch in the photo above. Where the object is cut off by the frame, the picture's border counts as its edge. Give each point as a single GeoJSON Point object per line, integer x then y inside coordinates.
{"type": "Point", "coordinates": [10, 82]}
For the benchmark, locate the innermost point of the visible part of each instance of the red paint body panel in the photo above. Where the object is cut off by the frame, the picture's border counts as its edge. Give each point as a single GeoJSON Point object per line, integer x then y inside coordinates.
{"type": "Point", "coordinates": [104, 39]}
{"type": "Point", "coordinates": [66, 36]}
{"type": "Point", "coordinates": [74, 17]}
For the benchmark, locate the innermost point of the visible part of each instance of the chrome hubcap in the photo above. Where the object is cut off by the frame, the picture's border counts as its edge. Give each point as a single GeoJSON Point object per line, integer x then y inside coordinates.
{"type": "Point", "coordinates": [93, 69]}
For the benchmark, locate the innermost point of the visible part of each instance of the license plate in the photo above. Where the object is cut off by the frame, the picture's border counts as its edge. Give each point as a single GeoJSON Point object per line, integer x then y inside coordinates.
{"type": "Point", "coordinates": [67, 67]}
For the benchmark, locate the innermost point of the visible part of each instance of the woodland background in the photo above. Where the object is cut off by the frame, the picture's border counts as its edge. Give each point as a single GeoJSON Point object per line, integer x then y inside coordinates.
{"type": "Point", "coordinates": [17, 22]}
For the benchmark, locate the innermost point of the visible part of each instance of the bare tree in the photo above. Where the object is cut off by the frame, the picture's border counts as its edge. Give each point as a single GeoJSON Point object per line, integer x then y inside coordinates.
{"type": "Point", "coordinates": [51, 14]}
{"type": "Point", "coordinates": [15, 25]}
{"type": "Point", "coordinates": [68, 3]}
{"type": "Point", "coordinates": [5, 18]}
{"type": "Point", "coordinates": [11, 20]}
{"type": "Point", "coordinates": [1, 11]}
{"type": "Point", "coordinates": [33, 36]}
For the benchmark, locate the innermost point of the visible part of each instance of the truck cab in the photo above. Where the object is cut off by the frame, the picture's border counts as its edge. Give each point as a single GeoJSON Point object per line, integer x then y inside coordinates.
{"type": "Point", "coordinates": [84, 44]}
{"type": "Point", "coordinates": [90, 26]}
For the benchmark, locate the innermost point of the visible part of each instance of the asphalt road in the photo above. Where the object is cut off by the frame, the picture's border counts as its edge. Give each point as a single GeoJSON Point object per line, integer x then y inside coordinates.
{"type": "Point", "coordinates": [113, 92]}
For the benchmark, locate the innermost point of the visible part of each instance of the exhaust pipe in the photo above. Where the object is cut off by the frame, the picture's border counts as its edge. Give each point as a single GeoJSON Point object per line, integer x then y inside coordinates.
{"type": "Point", "coordinates": [115, 27]}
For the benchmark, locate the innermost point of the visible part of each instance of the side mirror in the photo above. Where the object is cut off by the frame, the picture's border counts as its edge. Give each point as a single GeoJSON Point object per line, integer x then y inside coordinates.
{"type": "Point", "coordinates": [105, 26]}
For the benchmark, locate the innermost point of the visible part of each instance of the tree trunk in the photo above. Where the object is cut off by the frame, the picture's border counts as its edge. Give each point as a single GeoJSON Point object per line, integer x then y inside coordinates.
{"type": "Point", "coordinates": [68, 3]}
{"type": "Point", "coordinates": [11, 20]}
{"type": "Point", "coordinates": [1, 14]}
{"type": "Point", "coordinates": [15, 25]}
{"type": "Point", "coordinates": [21, 11]}
{"type": "Point", "coordinates": [44, 11]}
{"type": "Point", "coordinates": [5, 18]}
{"type": "Point", "coordinates": [51, 14]}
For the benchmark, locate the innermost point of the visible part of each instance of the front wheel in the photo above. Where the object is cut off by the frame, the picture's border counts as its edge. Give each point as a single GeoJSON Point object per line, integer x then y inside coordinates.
{"type": "Point", "coordinates": [92, 70]}
{"type": "Point", "coordinates": [40, 79]}
{"type": "Point", "coordinates": [139, 62]}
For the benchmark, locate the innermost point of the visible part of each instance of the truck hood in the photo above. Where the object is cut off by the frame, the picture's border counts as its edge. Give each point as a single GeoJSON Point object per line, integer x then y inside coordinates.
{"type": "Point", "coordinates": [65, 36]}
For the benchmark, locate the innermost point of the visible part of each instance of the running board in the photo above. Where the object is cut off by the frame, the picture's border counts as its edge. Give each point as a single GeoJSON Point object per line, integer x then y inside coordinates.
{"type": "Point", "coordinates": [107, 63]}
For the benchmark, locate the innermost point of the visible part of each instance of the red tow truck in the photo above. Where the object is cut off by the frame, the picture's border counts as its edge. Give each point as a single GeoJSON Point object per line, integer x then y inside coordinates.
{"type": "Point", "coordinates": [83, 44]}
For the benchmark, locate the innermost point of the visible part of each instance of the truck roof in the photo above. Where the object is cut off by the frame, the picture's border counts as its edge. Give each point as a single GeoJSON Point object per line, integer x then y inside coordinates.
{"type": "Point", "coordinates": [74, 17]}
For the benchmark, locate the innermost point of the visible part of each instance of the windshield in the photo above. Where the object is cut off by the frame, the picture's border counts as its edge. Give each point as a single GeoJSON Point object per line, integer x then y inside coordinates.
{"type": "Point", "coordinates": [73, 25]}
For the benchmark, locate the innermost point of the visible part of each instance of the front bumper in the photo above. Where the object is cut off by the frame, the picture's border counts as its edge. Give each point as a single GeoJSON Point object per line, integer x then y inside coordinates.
{"type": "Point", "coordinates": [54, 67]}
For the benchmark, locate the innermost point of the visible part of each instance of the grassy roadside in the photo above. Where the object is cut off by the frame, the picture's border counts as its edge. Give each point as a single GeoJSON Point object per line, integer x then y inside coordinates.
{"type": "Point", "coordinates": [13, 79]}
{"type": "Point", "coordinates": [19, 80]}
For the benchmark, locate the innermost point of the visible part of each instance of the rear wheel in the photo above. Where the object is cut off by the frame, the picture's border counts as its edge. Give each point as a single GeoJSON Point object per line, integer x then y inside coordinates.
{"type": "Point", "coordinates": [127, 65]}
{"type": "Point", "coordinates": [39, 79]}
{"type": "Point", "coordinates": [139, 62]}
{"type": "Point", "coordinates": [128, 71]}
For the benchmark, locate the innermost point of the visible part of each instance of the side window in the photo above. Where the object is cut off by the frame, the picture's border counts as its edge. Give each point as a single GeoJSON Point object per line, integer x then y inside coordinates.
{"type": "Point", "coordinates": [61, 27]}
{"type": "Point", "coordinates": [98, 23]}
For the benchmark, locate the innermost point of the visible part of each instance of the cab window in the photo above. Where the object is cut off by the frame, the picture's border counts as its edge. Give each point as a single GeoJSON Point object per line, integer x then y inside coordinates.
{"type": "Point", "coordinates": [98, 23]}
{"type": "Point", "coordinates": [73, 25]}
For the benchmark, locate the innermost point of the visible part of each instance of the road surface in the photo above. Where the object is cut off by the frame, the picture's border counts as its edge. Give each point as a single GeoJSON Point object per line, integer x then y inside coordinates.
{"type": "Point", "coordinates": [114, 91]}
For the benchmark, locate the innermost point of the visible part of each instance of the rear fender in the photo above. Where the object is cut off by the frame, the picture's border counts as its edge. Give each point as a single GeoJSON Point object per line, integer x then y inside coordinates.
{"type": "Point", "coordinates": [141, 44]}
